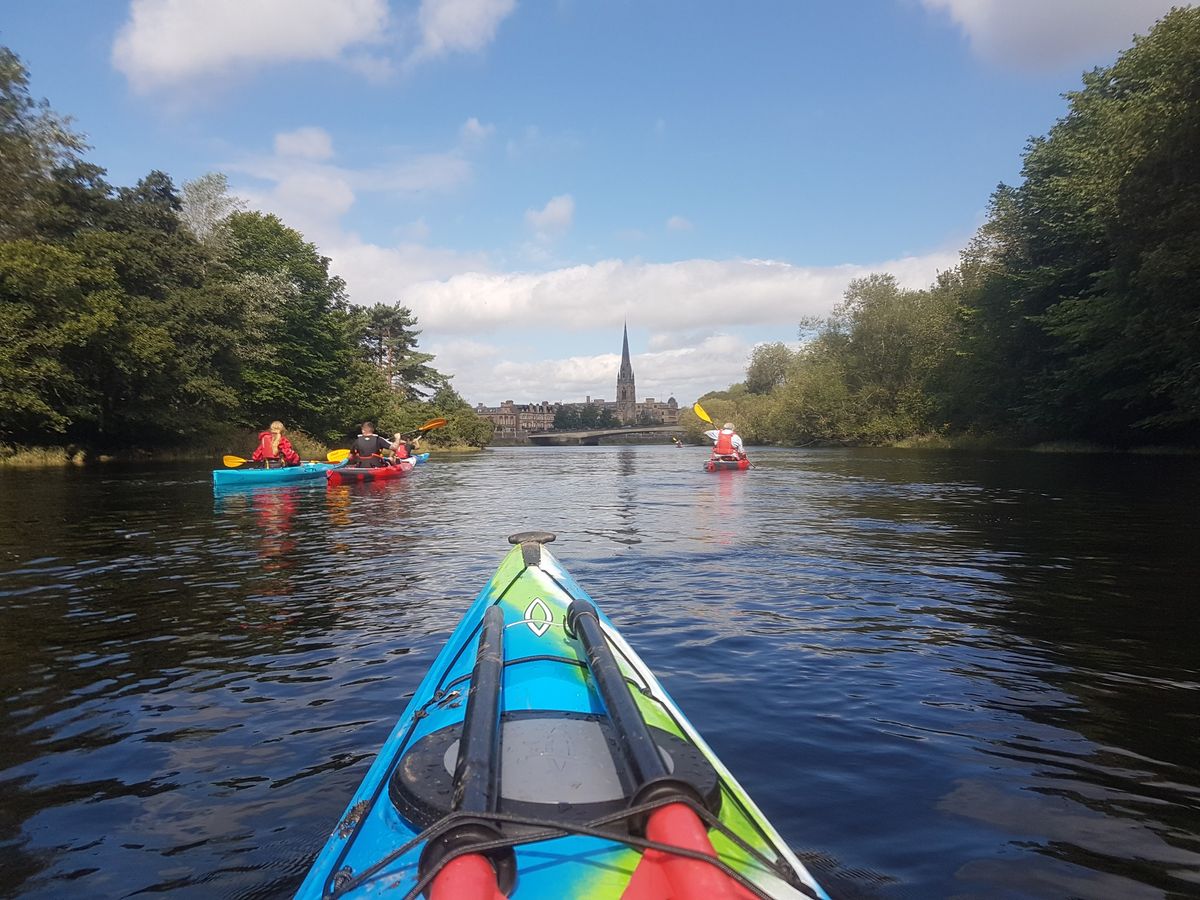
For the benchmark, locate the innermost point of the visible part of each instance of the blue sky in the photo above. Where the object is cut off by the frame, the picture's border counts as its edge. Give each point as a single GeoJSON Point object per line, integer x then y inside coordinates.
{"type": "Point", "coordinates": [529, 175]}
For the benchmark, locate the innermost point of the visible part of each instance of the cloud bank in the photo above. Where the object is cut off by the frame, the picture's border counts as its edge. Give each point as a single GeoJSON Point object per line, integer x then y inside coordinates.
{"type": "Point", "coordinates": [458, 25]}
{"type": "Point", "coordinates": [688, 294]}
{"type": "Point", "coordinates": [174, 44]}
{"type": "Point", "coordinates": [1041, 35]}
{"type": "Point", "coordinates": [704, 318]}
{"type": "Point", "coordinates": [167, 43]}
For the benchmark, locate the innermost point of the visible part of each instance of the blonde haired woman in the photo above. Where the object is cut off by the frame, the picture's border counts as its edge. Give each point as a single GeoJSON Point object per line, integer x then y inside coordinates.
{"type": "Point", "coordinates": [274, 449]}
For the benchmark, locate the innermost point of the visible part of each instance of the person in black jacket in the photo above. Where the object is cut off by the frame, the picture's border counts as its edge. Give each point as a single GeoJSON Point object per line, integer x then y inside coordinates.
{"type": "Point", "coordinates": [366, 450]}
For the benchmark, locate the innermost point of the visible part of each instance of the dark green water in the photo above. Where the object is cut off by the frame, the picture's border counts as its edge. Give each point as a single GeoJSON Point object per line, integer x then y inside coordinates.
{"type": "Point", "coordinates": [940, 675]}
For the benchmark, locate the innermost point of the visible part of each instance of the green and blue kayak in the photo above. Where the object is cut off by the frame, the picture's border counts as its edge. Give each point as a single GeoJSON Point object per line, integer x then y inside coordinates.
{"type": "Point", "coordinates": [279, 475]}
{"type": "Point", "coordinates": [540, 758]}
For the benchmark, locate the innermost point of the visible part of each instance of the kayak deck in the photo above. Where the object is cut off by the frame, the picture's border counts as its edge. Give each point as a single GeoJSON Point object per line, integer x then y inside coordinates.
{"type": "Point", "coordinates": [538, 730]}
{"type": "Point", "coordinates": [279, 475]}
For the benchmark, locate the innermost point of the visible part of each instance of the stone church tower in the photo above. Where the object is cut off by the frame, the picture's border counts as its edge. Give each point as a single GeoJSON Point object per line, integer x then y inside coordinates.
{"type": "Point", "coordinates": [626, 398]}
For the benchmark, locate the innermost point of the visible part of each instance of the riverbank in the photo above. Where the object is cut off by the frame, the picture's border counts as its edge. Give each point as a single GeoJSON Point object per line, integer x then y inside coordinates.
{"type": "Point", "coordinates": [310, 448]}
{"type": "Point", "coordinates": [17, 457]}
{"type": "Point", "coordinates": [994, 442]}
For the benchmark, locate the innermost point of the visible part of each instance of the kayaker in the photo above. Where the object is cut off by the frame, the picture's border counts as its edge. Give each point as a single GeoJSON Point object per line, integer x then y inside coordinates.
{"type": "Point", "coordinates": [405, 449]}
{"type": "Point", "coordinates": [274, 449]}
{"type": "Point", "coordinates": [727, 443]}
{"type": "Point", "coordinates": [366, 450]}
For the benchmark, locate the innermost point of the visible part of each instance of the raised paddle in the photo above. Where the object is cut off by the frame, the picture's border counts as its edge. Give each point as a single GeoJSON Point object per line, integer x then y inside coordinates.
{"type": "Point", "coordinates": [428, 426]}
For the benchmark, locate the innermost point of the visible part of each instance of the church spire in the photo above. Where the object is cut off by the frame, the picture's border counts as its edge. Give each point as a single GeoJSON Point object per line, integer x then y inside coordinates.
{"type": "Point", "coordinates": [626, 371]}
{"type": "Point", "coordinates": [626, 393]}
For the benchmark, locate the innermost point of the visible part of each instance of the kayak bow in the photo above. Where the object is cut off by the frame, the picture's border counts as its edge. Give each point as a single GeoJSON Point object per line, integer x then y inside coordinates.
{"type": "Point", "coordinates": [540, 758]}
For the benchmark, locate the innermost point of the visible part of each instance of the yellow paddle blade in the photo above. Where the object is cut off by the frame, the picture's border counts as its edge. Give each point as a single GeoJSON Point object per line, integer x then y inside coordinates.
{"type": "Point", "coordinates": [232, 461]}
{"type": "Point", "coordinates": [699, 411]}
{"type": "Point", "coordinates": [336, 456]}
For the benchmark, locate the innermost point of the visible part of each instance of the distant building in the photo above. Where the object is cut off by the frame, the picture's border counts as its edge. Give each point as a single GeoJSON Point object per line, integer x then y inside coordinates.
{"type": "Point", "coordinates": [515, 420]}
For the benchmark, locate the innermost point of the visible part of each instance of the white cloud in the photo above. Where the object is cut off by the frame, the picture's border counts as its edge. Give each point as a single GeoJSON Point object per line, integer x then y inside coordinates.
{"type": "Point", "coordinates": [449, 26]}
{"type": "Point", "coordinates": [552, 220]}
{"type": "Point", "coordinates": [306, 143]}
{"type": "Point", "coordinates": [1050, 34]}
{"type": "Point", "coordinates": [169, 43]}
{"type": "Point", "coordinates": [311, 194]}
{"type": "Point", "coordinates": [379, 274]}
{"type": "Point", "coordinates": [690, 294]}
{"type": "Point", "coordinates": [679, 223]}
{"type": "Point", "coordinates": [473, 131]}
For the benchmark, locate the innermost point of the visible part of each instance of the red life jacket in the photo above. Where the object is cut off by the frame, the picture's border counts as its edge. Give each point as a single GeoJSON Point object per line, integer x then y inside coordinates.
{"type": "Point", "coordinates": [286, 454]}
{"type": "Point", "coordinates": [724, 445]}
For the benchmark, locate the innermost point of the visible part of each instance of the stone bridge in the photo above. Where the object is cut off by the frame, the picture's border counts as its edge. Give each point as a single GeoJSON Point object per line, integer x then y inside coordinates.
{"type": "Point", "coordinates": [592, 438]}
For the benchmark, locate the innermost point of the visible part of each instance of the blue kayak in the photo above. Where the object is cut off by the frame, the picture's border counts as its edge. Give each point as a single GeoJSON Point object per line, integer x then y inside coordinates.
{"type": "Point", "coordinates": [540, 758]}
{"type": "Point", "coordinates": [284, 475]}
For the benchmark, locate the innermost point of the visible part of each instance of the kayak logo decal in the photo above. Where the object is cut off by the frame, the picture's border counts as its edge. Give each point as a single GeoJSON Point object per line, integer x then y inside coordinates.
{"type": "Point", "coordinates": [538, 616]}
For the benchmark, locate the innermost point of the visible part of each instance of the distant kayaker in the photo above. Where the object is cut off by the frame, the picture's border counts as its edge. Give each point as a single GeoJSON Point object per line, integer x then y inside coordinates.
{"type": "Point", "coordinates": [727, 443]}
{"type": "Point", "coordinates": [366, 450]}
{"type": "Point", "coordinates": [274, 449]}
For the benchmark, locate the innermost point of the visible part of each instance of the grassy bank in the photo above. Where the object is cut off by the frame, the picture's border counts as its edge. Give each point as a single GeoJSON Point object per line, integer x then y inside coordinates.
{"type": "Point", "coordinates": [40, 457]}
{"type": "Point", "coordinates": [997, 442]}
{"type": "Point", "coordinates": [208, 448]}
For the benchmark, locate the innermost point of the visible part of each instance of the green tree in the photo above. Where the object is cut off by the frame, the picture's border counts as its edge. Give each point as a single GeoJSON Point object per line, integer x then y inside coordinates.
{"type": "Point", "coordinates": [307, 357]}
{"type": "Point", "coordinates": [768, 367]}
{"type": "Point", "coordinates": [388, 335]}
{"type": "Point", "coordinates": [566, 417]}
{"type": "Point", "coordinates": [34, 141]}
{"type": "Point", "coordinates": [1079, 295]}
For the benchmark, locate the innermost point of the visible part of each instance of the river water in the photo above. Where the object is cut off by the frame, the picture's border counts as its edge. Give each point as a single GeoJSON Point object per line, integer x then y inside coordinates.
{"type": "Point", "coordinates": [939, 674]}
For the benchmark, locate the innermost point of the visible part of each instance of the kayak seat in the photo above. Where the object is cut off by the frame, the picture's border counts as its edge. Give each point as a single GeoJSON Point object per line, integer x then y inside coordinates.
{"type": "Point", "coordinates": [558, 765]}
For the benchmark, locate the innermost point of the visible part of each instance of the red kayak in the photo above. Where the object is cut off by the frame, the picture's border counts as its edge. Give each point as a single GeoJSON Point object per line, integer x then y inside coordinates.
{"type": "Point", "coordinates": [347, 474]}
{"type": "Point", "coordinates": [720, 463]}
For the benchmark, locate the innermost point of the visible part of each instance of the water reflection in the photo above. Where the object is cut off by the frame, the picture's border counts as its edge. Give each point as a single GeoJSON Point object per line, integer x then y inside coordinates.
{"type": "Point", "coordinates": [720, 506]}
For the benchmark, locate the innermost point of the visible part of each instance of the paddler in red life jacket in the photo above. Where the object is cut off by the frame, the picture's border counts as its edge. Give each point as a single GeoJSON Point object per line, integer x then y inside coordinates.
{"type": "Point", "coordinates": [274, 450]}
{"type": "Point", "coordinates": [727, 443]}
{"type": "Point", "coordinates": [403, 448]}
{"type": "Point", "coordinates": [366, 450]}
